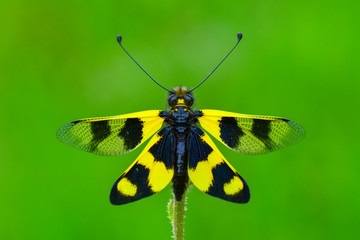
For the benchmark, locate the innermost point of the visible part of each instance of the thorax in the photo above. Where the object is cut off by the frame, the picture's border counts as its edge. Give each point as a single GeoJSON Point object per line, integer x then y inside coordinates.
{"type": "Point", "coordinates": [180, 119]}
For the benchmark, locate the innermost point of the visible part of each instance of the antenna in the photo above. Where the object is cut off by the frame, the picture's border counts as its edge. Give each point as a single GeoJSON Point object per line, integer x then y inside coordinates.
{"type": "Point", "coordinates": [239, 36]}
{"type": "Point", "coordinates": [119, 38]}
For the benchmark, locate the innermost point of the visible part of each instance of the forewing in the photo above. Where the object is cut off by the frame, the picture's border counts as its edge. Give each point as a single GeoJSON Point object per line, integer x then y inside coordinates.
{"type": "Point", "coordinates": [150, 173]}
{"type": "Point", "coordinates": [211, 173]}
{"type": "Point", "coordinates": [111, 136]}
{"type": "Point", "coordinates": [251, 134]}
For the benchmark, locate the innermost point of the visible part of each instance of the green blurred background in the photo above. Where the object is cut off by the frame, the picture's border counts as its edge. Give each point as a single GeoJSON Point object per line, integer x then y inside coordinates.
{"type": "Point", "coordinates": [60, 62]}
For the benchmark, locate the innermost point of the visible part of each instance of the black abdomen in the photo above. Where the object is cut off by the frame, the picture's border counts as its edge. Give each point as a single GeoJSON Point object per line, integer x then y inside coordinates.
{"type": "Point", "coordinates": [181, 177]}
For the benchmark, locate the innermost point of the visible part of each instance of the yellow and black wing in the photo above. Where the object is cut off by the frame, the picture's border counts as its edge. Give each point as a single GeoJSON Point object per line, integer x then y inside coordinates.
{"type": "Point", "coordinates": [111, 136]}
{"type": "Point", "coordinates": [150, 173]}
{"type": "Point", "coordinates": [211, 173]}
{"type": "Point", "coordinates": [251, 134]}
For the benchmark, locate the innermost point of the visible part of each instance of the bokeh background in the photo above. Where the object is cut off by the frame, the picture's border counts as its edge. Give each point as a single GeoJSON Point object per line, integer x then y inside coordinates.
{"type": "Point", "coordinates": [60, 62]}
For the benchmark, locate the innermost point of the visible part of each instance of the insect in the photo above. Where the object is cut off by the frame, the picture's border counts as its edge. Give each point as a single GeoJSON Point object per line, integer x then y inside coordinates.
{"type": "Point", "coordinates": [179, 150]}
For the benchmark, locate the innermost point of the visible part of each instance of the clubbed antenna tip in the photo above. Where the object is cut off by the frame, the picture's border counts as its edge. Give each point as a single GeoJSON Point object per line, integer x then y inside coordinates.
{"type": "Point", "coordinates": [119, 38]}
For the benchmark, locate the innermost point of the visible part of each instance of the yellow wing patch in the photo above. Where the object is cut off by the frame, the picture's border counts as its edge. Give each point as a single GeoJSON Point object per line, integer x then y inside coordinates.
{"type": "Point", "coordinates": [234, 186]}
{"type": "Point", "coordinates": [126, 187]}
{"type": "Point", "coordinates": [250, 133]}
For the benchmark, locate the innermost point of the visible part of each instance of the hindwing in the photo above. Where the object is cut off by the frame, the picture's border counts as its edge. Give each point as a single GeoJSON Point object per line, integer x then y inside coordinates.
{"type": "Point", "coordinates": [111, 136]}
{"type": "Point", "coordinates": [250, 134]}
{"type": "Point", "coordinates": [150, 173]}
{"type": "Point", "coordinates": [211, 173]}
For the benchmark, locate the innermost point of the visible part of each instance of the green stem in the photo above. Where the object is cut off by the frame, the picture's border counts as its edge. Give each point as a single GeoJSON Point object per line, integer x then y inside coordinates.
{"type": "Point", "coordinates": [176, 211]}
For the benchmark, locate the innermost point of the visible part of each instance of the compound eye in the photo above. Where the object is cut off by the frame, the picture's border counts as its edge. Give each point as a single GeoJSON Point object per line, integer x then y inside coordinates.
{"type": "Point", "coordinates": [172, 100]}
{"type": "Point", "coordinates": [189, 100]}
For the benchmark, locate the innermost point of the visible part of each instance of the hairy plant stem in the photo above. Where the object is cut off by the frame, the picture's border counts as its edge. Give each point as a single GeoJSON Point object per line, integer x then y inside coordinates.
{"type": "Point", "coordinates": [176, 210]}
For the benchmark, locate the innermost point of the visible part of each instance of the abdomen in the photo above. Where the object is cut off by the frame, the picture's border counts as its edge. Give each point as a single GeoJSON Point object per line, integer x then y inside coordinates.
{"type": "Point", "coordinates": [181, 178]}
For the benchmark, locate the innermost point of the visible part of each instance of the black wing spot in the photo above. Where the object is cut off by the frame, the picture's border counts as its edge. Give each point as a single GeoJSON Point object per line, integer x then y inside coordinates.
{"type": "Point", "coordinates": [137, 175]}
{"type": "Point", "coordinates": [164, 149]}
{"type": "Point", "coordinates": [198, 150]}
{"type": "Point", "coordinates": [230, 132]}
{"type": "Point", "coordinates": [261, 129]}
{"type": "Point", "coordinates": [223, 174]}
{"type": "Point", "coordinates": [132, 133]}
{"type": "Point", "coordinates": [100, 131]}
